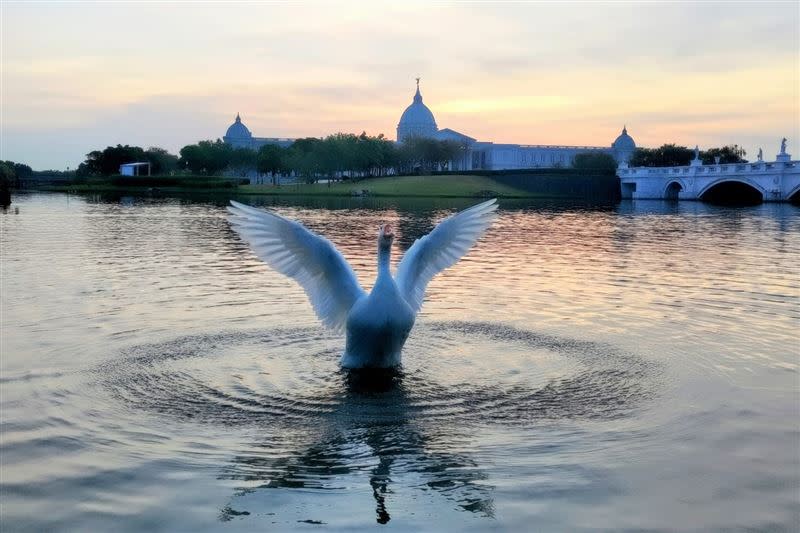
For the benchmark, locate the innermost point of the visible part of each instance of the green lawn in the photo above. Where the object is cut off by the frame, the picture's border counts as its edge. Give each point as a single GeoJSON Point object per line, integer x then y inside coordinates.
{"type": "Point", "coordinates": [449, 186]}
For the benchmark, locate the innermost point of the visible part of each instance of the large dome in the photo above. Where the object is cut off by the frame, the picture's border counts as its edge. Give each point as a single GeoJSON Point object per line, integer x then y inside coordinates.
{"type": "Point", "coordinates": [237, 130]}
{"type": "Point", "coordinates": [417, 120]}
{"type": "Point", "coordinates": [623, 146]}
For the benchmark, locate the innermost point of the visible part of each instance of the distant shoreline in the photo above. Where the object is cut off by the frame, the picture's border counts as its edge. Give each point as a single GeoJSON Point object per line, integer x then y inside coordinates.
{"type": "Point", "coordinates": [436, 186]}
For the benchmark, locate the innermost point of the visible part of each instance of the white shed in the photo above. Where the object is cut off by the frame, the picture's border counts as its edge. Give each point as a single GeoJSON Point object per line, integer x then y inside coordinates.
{"type": "Point", "coordinates": [134, 169]}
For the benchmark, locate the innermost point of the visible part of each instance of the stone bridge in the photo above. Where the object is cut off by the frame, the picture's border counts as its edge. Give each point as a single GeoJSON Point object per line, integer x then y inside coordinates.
{"type": "Point", "coordinates": [762, 181]}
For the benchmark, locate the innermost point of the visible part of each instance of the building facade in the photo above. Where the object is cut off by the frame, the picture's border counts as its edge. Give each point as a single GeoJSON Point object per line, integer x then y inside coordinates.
{"type": "Point", "coordinates": [418, 121]}
{"type": "Point", "coordinates": [239, 136]}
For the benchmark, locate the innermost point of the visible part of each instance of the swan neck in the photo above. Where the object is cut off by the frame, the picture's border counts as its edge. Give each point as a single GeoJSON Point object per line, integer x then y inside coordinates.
{"type": "Point", "coordinates": [384, 256]}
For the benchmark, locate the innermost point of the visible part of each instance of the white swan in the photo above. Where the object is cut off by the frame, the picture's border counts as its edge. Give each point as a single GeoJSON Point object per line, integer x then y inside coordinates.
{"type": "Point", "coordinates": [378, 323]}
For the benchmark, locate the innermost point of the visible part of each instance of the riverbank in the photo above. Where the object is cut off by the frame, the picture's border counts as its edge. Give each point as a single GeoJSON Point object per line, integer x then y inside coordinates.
{"type": "Point", "coordinates": [440, 186]}
{"type": "Point", "coordinates": [451, 186]}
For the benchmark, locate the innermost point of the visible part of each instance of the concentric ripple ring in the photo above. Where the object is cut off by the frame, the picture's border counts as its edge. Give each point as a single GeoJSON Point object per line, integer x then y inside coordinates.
{"type": "Point", "coordinates": [464, 372]}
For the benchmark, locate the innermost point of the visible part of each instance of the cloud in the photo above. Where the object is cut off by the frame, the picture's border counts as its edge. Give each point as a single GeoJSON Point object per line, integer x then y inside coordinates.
{"type": "Point", "coordinates": [539, 72]}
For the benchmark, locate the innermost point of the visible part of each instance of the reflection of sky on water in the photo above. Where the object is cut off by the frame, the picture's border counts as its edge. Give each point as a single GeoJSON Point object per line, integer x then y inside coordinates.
{"type": "Point", "coordinates": [156, 375]}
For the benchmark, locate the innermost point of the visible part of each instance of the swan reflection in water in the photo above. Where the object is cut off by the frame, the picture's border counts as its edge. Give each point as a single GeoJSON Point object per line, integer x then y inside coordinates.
{"type": "Point", "coordinates": [370, 433]}
{"type": "Point", "coordinates": [393, 433]}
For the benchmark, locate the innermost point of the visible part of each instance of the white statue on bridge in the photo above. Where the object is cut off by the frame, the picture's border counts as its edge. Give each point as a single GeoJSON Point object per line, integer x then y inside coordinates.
{"type": "Point", "coordinates": [783, 157]}
{"type": "Point", "coordinates": [696, 152]}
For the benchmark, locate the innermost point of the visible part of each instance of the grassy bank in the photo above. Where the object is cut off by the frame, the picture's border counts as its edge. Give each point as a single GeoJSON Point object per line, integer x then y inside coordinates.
{"type": "Point", "coordinates": [441, 186]}
{"type": "Point", "coordinates": [162, 183]}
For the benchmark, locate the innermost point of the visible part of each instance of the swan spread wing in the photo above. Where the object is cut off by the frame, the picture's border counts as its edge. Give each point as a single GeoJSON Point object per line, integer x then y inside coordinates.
{"type": "Point", "coordinates": [304, 256]}
{"type": "Point", "coordinates": [440, 249]}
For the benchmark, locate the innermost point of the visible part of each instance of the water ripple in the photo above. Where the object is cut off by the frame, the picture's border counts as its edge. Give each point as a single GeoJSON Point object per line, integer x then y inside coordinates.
{"type": "Point", "coordinates": [459, 372]}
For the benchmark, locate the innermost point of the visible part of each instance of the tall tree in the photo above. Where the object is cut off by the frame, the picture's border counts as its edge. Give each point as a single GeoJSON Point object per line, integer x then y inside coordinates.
{"type": "Point", "coordinates": [161, 161]}
{"type": "Point", "coordinates": [727, 154]}
{"type": "Point", "coordinates": [8, 177]}
{"type": "Point", "coordinates": [271, 160]}
{"type": "Point", "coordinates": [671, 155]}
{"type": "Point", "coordinates": [667, 155]}
{"type": "Point", "coordinates": [15, 172]}
{"type": "Point", "coordinates": [206, 157]}
{"type": "Point", "coordinates": [242, 161]}
{"type": "Point", "coordinates": [388, 155]}
{"type": "Point", "coordinates": [599, 162]}
{"type": "Point", "coordinates": [108, 161]}
{"type": "Point", "coordinates": [306, 158]}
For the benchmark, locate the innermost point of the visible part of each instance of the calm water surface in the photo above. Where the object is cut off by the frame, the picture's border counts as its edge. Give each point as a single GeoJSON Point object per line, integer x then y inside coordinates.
{"type": "Point", "coordinates": [622, 369]}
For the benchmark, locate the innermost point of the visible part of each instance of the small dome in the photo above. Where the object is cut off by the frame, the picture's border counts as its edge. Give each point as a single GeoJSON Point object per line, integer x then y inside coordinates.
{"type": "Point", "coordinates": [238, 130]}
{"type": "Point", "coordinates": [623, 146]}
{"type": "Point", "coordinates": [417, 120]}
{"type": "Point", "coordinates": [624, 141]}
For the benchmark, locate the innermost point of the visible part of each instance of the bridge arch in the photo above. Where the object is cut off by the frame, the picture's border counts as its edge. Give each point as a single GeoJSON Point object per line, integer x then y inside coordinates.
{"type": "Point", "coordinates": [732, 191]}
{"type": "Point", "coordinates": [794, 195]}
{"type": "Point", "coordinates": [673, 189]}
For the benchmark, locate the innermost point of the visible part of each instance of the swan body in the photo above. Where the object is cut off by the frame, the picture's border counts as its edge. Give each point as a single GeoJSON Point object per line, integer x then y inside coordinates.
{"type": "Point", "coordinates": [376, 324]}
{"type": "Point", "coordinates": [377, 328]}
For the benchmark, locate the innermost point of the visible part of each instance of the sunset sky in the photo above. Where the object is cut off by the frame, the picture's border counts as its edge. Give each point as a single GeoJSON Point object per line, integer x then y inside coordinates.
{"type": "Point", "coordinates": [81, 76]}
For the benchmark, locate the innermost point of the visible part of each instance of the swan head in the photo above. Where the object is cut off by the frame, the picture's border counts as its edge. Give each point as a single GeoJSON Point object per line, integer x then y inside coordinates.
{"type": "Point", "coordinates": [385, 236]}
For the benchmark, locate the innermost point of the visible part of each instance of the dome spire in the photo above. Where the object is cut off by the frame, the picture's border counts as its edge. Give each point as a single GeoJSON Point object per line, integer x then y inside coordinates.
{"type": "Point", "coordinates": [417, 96]}
{"type": "Point", "coordinates": [238, 118]}
{"type": "Point", "coordinates": [417, 120]}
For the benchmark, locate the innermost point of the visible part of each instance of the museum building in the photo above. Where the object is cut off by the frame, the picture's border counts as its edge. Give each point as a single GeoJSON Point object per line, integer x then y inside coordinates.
{"type": "Point", "coordinates": [418, 121]}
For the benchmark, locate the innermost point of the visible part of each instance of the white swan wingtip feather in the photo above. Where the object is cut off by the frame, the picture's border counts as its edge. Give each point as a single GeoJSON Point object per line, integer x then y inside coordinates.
{"type": "Point", "coordinates": [294, 251]}
{"type": "Point", "coordinates": [441, 248]}
{"type": "Point", "coordinates": [242, 209]}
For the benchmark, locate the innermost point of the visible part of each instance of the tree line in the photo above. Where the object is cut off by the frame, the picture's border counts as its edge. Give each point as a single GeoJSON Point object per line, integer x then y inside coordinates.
{"type": "Point", "coordinates": [12, 173]}
{"type": "Point", "coordinates": [107, 162]}
{"type": "Point", "coordinates": [341, 155]}
{"type": "Point", "coordinates": [672, 155]}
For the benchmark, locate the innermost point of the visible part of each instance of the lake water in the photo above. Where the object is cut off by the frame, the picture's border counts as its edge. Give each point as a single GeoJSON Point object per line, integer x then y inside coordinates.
{"type": "Point", "coordinates": [624, 369]}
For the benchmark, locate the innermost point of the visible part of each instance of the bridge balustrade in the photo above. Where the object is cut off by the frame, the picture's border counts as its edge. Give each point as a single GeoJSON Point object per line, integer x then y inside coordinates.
{"type": "Point", "coordinates": [776, 181]}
